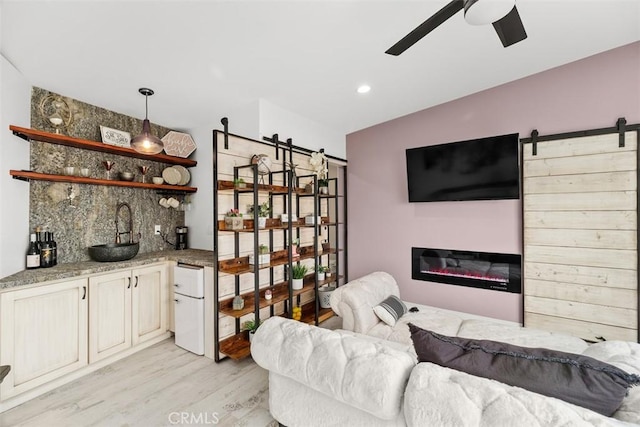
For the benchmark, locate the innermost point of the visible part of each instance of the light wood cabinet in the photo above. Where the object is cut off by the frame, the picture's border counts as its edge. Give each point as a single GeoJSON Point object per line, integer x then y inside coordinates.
{"type": "Point", "coordinates": [149, 303]}
{"type": "Point", "coordinates": [126, 308]}
{"type": "Point", "coordinates": [109, 314]}
{"type": "Point", "coordinates": [43, 334]}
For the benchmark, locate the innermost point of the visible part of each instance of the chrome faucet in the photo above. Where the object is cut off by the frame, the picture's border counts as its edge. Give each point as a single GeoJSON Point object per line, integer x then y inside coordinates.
{"type": "Point", "coordinates": [130, 232]}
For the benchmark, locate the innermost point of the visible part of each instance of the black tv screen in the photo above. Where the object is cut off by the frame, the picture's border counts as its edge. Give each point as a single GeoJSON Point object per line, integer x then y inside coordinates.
{"type": "Point", "coordinates": [478, 169]}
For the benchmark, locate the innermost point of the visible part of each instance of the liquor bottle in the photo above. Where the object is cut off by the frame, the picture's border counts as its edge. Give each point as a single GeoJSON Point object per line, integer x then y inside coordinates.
{"type": "Point", "coordinates": [39, 237]}
{"type": "Point", "coordinates": [54, 248]}
{"type": "Point", "coordinates": [46, 252]}
{"type": "Point", "coordinates": [33, 253]}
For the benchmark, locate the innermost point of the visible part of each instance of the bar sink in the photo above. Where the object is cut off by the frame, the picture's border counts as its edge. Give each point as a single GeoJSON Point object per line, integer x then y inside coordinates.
{"type": "Point", "coordinates": [112, 252]}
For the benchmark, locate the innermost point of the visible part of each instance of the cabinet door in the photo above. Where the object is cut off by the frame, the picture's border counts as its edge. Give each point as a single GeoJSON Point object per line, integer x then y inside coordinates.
{"type": "Point", "coordinates": [150, 302]}
{"type": "Point", "coordinates": [43, 334]}
{"type": "Point", "coordinates": [109, 314]}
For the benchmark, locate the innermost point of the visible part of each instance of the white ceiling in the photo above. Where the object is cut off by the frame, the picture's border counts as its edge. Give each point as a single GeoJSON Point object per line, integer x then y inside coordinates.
{"type": "Point", "coordinates": [206, 58]}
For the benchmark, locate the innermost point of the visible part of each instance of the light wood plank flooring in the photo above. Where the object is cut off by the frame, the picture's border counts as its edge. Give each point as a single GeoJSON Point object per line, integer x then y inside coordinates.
{"type": "Point", "coordinates": [162, 385]}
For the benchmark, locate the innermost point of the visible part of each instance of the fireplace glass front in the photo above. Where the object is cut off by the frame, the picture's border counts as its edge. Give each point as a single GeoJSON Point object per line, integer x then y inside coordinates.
{"type": "Point", "coordinates": [486, 270]}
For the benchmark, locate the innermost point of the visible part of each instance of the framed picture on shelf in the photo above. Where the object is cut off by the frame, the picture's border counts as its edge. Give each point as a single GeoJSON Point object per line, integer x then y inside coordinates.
{"type": "Point", "coordinates": [115, 137]}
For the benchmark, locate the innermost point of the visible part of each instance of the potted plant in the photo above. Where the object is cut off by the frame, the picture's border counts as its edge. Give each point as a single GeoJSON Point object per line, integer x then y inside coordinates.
{"type": "Point", "coordinates": [330, 270]}
{"type": "Point", "coordinates": [318, 162]}
{"type": "Point", "coordinates": [233, 220]}
{"type": "Point", "coordinates": [264, 257]}
{"type": "Point", "coordinates": [321, 271]}
{"type": "Point", "coordinates": [323, 186]}
{"type": "Point", "coordinates": [251, 326]}
{"type": "Point", "coordinates": [238, 183]}
{"type": "Point", "coordinates": [294, 248]}
{"type": "Point", "coordinates": [263, 213]}
{"type": "Point", "coordinates": [298, 272]}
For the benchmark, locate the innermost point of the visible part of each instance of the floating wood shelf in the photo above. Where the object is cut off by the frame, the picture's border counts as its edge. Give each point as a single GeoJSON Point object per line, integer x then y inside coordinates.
{"type": "Point", "coordinates": [53, 138]}
{"type": "Point", "coordinates": [28, 175]}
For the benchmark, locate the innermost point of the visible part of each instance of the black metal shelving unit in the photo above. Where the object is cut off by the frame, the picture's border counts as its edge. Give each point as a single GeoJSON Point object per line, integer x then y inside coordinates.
{"type": "Point", "coordinates": [237, 346]}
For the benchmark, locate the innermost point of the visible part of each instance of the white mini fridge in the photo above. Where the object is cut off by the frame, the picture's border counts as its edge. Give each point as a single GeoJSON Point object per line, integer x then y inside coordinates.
{"type": "Point", "coordinates": [189, 307]}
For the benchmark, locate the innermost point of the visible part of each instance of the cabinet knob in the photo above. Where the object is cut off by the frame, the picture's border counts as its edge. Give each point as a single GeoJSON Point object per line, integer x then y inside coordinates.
{"type": "Point", "coordinates": [177, 301]}
{"type": "Point", "coordinates": [177, 285]}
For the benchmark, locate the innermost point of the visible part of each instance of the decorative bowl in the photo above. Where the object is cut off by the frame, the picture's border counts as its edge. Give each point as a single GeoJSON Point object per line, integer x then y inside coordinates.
{"type": "Point", "coordinates": [126, 176]}
{"type": "Point", "coordinates": [158, 180]}
{"type": "Point", "coordinates": [69, 170]}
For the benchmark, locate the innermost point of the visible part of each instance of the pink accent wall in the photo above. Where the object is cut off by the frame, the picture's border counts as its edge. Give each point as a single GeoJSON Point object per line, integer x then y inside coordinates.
{"type": "Point", "coordinates": [591, 93]}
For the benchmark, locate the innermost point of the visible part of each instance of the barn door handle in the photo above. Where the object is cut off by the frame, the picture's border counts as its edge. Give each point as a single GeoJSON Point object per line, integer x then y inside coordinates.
{"type": "Point", "coordinates": [84, 292]}
{"type": "Point", "coordinates": [136, 285]}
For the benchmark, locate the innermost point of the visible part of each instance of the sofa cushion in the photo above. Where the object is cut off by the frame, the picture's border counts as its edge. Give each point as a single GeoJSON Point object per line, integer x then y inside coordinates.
{"type": "Point", "coordinates": [354, 301]}
{"type": "Point", "coordinates": [368, 375]}
{"type": "Point", "coordinates": [577, 379]}
{"type": "Point", "coordinates": [437, 396]}
{"type": "Point", "coordinates": [515, 334]}
{"type": "Point", "coordinates": [390, 310]}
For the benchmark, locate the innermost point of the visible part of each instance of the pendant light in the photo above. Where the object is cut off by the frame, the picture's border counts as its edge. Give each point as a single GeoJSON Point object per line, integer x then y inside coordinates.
{"type": "Point", "coordinates": [146, 143]}
{"type": "Point", "coordinates": [483, 12]}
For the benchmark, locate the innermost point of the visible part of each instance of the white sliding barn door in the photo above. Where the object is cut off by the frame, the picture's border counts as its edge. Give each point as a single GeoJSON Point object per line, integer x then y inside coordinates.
{"type": "Point", "coordinates": [580, 237]}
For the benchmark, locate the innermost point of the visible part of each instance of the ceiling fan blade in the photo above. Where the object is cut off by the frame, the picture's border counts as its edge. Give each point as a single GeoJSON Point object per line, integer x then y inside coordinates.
{"type": "Point", "coordinates": [426, 27]}
{"type": "Point", "coordinates": [510, 28]}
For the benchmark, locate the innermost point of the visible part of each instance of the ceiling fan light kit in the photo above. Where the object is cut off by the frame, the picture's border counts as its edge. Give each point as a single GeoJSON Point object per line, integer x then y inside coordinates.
{"type": "Point", "coordinates": [483, 12]}
{"type": "Point", "coordinates": [146, 142]}
{"type": "Point", "coordinates": [503, 14]}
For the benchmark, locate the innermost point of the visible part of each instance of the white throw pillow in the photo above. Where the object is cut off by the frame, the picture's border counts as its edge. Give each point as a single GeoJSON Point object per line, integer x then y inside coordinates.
{"type": "Point", "coordinates": [390, 310]}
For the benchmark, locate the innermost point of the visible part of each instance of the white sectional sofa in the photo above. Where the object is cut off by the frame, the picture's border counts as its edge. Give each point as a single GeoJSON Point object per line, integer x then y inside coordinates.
{"type": "Point", "coordinates": [369, 375]}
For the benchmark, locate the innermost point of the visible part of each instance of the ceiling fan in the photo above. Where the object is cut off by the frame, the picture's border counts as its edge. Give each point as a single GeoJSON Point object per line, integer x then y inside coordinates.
{"type": "Point", "coordinates": [502, 13]}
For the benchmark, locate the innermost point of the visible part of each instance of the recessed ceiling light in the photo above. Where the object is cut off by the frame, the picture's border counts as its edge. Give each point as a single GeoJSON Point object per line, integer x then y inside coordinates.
{"type": "Point", "coordinates": [364, 89]}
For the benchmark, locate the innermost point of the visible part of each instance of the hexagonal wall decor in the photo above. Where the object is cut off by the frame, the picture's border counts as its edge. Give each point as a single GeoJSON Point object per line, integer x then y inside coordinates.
{"type": "Point", "coordinates": [178, 144]}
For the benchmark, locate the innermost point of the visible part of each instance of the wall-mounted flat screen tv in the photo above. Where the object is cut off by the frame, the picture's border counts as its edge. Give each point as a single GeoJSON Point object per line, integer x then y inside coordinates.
{"type": "Point", "coordinates": [478, 169]}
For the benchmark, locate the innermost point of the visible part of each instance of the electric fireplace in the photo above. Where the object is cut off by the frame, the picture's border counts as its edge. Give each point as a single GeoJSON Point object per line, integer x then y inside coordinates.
{"type": "Point", "coordinates": [486, 270]}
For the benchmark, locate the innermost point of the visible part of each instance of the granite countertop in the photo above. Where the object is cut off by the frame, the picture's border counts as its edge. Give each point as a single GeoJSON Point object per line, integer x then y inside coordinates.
{"type": "Point", "coordinates": [63, 271]}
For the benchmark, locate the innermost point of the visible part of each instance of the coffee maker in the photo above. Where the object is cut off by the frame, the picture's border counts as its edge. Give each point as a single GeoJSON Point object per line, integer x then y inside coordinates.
{"type": "Point", "coordinates": [181, 237]}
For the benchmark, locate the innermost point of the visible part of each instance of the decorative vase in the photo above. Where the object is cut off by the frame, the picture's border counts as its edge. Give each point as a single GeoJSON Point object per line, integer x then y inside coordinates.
{"type": "Point", "coordinates": [294, 251]}
{"type": "Point", "coordinates": [251, 334]}
{"type": "Point", "coordinates": [324, 294]}
{"type": "Point", "coordinates": [233, 222]}
{"type": "Point", "coordinates": [319, 246]}
{"type": "Point", "coordinates": [262, 222]}
{"type": "Point", "coordinates": [323, 190]}
{"type": "Point", "coordinates": [321, 276]}
{"type": "Point", "coordinates": [296, 284]}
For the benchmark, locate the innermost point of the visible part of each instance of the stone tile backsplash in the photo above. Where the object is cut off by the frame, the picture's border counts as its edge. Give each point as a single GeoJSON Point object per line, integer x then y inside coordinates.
{"type": "Point", "coordinates": [83, 215]}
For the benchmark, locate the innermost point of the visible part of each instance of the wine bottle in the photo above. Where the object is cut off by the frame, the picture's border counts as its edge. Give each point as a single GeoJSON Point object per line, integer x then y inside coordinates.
{"type": "Point", "coordinates": [46, 252]}
{"type": "Point", "coordinates": [33, 253]}
{"type": "Point", "coordinates": [54, 248]}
